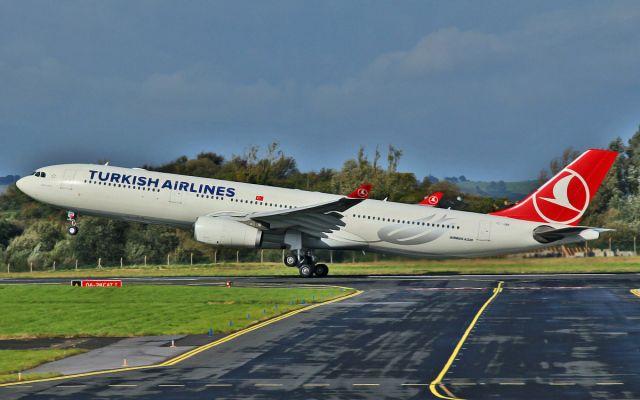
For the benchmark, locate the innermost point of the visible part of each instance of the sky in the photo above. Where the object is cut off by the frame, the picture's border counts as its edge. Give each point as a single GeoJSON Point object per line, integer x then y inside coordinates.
{"type": "Point", "coordinates": [490, 90]}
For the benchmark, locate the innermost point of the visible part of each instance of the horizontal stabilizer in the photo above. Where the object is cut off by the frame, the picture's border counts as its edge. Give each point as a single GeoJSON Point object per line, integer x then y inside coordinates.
{"type": "Point", "coordinates": [546, 234]}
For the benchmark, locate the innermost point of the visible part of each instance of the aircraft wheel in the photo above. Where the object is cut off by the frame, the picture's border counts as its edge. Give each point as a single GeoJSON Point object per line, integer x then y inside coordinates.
{"type": "Point", "coordinates": [322, 270]}
{"type": "Point", "coordinates": [73, 230]}
{"type": "Point", "coordinates": [290, 260]}
{"type": "Point", "coordinates": [306, 271]}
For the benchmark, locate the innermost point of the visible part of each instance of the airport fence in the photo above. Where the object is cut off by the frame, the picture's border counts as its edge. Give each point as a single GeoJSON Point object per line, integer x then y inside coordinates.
{"type": "Point", "coordinates": [217, 257]}
{"type": "Point", "coordinates": [223, 256]}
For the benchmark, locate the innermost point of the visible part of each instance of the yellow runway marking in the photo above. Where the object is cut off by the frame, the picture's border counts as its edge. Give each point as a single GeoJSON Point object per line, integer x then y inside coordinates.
{"type": "Point", "coordinates": [225, 339]}
{"type": "Point", "coordinates": [511, 383]}
{"type": "Point", "coordinates": [437, 383]}
{"type": "Point", "coordinates": [365, 384]}
{"type": "Point", "coordinates": [609, 383]}
{"type": "Point", "coordinates": [123, 385]}
{"type": "Point", "coordinates": [268, 385]}
{"type": "Point", "coordinates": [219, 385]}
{"type": "Point", "coordinates": [197, 350]}
{"type": "Point", "coordinates": [635, 292]}
{"type": "Point", "coordinates": [562, 383]}
{"type": "Point", "coordinates": [313, 385]}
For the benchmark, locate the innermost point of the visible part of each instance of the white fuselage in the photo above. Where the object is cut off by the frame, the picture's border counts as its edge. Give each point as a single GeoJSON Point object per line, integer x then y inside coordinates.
{"type": "Point", "coordinates": [380, 226]}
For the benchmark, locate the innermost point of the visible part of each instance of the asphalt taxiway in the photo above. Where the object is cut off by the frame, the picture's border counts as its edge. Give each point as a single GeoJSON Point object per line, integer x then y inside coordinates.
{"type": "Point", "coordinates": [515, 337]}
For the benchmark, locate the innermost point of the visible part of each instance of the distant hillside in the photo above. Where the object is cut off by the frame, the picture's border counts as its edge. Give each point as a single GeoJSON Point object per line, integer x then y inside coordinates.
{"type": "Point", "coordinates": [5, 181]}
{"type": "Point", "coordinates": [510, 190]}
{"type": "Point", "coordinates": [8, 180]}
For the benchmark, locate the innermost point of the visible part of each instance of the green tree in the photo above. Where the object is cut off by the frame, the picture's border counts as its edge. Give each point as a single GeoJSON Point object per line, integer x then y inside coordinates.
{"type": "Point", "coordinates": [8, 230]}
{"type": "Point", "coordinates": [100, 238]}
{"type": "Point", "coordinates": [153, 241]}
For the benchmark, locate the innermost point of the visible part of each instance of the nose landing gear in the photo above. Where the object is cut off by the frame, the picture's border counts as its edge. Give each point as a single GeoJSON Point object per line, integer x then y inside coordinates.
{"type": "Point", "coordinates": [71, 217]}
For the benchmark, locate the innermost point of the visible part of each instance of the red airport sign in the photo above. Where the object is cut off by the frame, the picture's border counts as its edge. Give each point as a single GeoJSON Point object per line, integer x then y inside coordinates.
{"type": "Point", "coordinates": [97, 283]}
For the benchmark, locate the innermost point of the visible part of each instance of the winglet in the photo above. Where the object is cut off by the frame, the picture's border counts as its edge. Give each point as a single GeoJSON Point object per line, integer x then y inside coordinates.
{"type": "Point", "coordinates": [362, 192]}
{"type": "Point", "coordinates": [433, 200]}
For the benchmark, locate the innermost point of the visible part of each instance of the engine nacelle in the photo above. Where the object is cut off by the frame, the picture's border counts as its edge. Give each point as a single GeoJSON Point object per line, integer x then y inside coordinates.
{"type": "Point", "coordinates": [221, 231]}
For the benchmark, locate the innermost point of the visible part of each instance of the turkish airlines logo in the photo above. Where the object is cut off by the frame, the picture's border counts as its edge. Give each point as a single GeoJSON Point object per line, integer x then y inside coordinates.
{"type": "Point", "coordinates": [564, 200]}
{"type": "Point", "coordinates": [433, 200]}
{"type": "Point", "coordinates": [362, 193]}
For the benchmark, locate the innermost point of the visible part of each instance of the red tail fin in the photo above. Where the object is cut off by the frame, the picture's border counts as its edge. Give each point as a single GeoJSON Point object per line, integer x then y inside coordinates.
{"type": "Point", "coordinates": [362, 192]}
{"type": "Point", "coordinates": [565, 197]}
{"type": "Point", "coordinates": [432, 200]}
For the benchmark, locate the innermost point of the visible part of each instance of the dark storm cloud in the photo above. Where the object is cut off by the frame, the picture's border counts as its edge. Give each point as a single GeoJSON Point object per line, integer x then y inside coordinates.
{"type": "Point", "coordinates": [490, 90]}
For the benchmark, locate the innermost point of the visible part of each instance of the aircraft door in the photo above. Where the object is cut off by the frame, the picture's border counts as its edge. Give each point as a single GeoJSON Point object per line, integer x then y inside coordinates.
{"type": "Point", "coordinates": [484, 231]}
{"type": "Point", "coordinates": [67, 179]}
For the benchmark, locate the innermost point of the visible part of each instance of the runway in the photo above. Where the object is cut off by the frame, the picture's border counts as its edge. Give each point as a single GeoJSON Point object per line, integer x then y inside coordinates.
{"type": "Point", "coordinates": [530, 337]}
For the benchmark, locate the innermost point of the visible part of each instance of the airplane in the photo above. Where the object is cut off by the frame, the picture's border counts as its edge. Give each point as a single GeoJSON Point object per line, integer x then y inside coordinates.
{"type": "Point", "coordinates": [242, 215]}
{"type": "Point", "coordinates": [433, 200]}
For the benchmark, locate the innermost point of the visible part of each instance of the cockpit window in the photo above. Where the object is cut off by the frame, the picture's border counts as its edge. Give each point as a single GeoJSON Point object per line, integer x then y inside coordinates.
{"type": "Point", "coordinates": [37, 174]}
{"type": "Point", "coordinates": [42, 175]}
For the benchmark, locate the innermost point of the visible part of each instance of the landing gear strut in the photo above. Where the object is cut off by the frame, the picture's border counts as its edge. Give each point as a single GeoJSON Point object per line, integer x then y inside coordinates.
{"type": "Point", "coordinates": [71, 217]}
{"type": "Point", "coordinates": [306, 263]}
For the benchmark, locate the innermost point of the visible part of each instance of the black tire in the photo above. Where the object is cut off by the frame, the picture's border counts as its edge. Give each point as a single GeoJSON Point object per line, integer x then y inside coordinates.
{"type": "Point", "coordinates": [73, 230]}
{"type": "Point", "coordinates": [305, 271]}
{"type": "Point", "coordinates": [322, 270]}
{"type": "Point", "coordinates": [290, 260]}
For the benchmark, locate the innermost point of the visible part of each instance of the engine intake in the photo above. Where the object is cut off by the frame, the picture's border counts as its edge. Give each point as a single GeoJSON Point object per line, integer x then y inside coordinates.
{"type": "Point", "coordinates": [221, 231]}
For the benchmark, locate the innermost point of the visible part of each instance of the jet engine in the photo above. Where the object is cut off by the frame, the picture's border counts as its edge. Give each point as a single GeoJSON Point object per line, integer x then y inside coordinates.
{"type": "Point", "coordinates": [221, 231]}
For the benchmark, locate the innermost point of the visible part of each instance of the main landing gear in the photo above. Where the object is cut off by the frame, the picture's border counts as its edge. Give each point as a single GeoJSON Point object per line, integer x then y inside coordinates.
{"type": "Point", "coordinates": [71, 217]}
{"type": "Point", "coordinates": [306, 263]}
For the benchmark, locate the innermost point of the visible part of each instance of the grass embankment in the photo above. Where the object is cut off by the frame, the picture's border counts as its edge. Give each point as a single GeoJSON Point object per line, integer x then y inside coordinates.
{"type": "Point", "coordinates": [30, 311]}
{"type": "Point", "coordinates": [14, 361]}
{"type": "Point", "coordinates": [474, 266]}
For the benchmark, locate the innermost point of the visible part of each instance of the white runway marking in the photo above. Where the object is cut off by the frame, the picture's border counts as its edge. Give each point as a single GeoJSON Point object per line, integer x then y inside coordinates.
{"type": "Point", "coordinates": [507, 276]}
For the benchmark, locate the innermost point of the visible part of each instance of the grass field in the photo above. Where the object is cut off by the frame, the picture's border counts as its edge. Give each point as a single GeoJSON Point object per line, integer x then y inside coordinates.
{"type": "Point", "coordinates": [14, 361]}
{"type": "Point", "coordinates": [30, 311]}
{"type": "Point", "coordinates": [474, 266]}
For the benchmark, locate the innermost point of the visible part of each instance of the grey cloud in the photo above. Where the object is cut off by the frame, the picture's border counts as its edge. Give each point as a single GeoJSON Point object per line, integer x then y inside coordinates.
{"type": "Point", "coordinates": [459, 96]}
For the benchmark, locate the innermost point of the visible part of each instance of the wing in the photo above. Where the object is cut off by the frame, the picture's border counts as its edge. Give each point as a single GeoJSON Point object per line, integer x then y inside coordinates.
{"type": "Point", "coordinates": [316, 220]}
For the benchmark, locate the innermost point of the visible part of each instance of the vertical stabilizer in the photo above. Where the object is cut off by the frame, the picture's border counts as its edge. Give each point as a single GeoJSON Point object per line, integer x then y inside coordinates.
{"type": "Point", "coordinates": [565, 197]}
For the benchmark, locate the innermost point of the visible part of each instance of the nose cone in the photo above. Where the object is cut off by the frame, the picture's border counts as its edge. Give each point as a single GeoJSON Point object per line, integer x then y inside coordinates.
{"type": "Point", "coordinates": [21, 184]}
